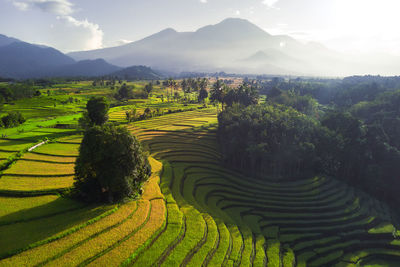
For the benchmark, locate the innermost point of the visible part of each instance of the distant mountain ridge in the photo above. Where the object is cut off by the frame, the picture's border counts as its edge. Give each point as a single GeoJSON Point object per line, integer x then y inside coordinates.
{"type": "Point", "coordinates": [236, 46]}
{"type": "Point", "coordinates": [232, 46]}
{"type": "Point", "coordinates": [222, 46]}
{"type": "Point", "coordinates": [136, 73]}
{"type": "Point", "coordinates": [21, 60]}
{"type": "Point", "coordinates": [24, 60]}
{"type": "Point", "coordinates": [5, 40]}
{"type": "Point", "coordinates": [85, 68]}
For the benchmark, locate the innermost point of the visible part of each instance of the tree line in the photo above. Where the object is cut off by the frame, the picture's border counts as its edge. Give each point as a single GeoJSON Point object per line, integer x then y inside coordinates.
{"type": "Point", "coordinates": [294, 135]}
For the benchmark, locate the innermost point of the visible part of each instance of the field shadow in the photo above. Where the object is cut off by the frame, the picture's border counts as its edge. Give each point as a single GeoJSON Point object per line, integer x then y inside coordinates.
{"type": "Point", "coordinates": [25, 227]}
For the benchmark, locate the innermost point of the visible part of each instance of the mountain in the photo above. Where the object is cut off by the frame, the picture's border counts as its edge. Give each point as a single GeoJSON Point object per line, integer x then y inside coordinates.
{"type": "Point", "coordinates": [21, 60]}
{"type": "Point", "coordinates": [238, 46]}
{"type": "Point", "coordinates": [24, 60]}
{"type": "Point", "coordinates": [233, 46]}
{"type": "Point", "coordinates": [219, 47]}
{"type": "Point", "coordinates": [137, 73]}
{"type": "Point", "coordinates": [5, 40]}
{"type": "Point", "coordinates": [84, 68]}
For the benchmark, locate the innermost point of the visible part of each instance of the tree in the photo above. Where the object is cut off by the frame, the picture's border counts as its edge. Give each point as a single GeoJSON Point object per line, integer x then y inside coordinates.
{"type": "Point", "coordinates": [12, 119]}
{"type": "Point", "coordinates": [131, 114]}
{"type": "Point", "coordinates": [245, 95]}
{"type": "Point", "coordinates": [148, 88]}
{"type": "Point", "coordinates": [203, 94]}
{"type": "Point", "coordinates": [349, 149]}
{"type": "Point", "coordinates": [269, 139]}
{"type": "Point", "coordinates": [111, 165]}
{"type": "Point", "coordinates": [171, 83]}
{"type": "Point", "coordinates": [218, 92]}
{"type": "Point", "coordinates": [147, 113]}
{"type": "Point", "coordinates": [2, 100]}
{"type": "Point", "coordinates": [184, 86]}
{"type": "Point", "coordinates": [124, 92]}
{"type": "Point", "coordinates": [97, 109]}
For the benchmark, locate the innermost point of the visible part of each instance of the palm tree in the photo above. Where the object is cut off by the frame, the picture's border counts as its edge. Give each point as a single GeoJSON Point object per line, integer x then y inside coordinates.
{"type": "Point", "coordinates": [218, 92]}
{"type": "Point", "coordinates": [171, 83]}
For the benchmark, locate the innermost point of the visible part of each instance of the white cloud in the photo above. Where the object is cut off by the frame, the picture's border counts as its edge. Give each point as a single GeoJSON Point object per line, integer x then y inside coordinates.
{"type": "Point", "coordinates": [78, 34]}
{"type": "Point", "coordinates": [58, 7]}
{"type": "Point", "coordinates": [237, 12]}
{"type": "Point", "coordinates": [121, 42]}
{"type": "Point", "coordinates": [203, 1]}
{"type": "Point", "coordinates": [21, 5]}
{"type": "Point", "coordinates": [69, 33]}
{"type": "Point", "coordinates": [270, 3]}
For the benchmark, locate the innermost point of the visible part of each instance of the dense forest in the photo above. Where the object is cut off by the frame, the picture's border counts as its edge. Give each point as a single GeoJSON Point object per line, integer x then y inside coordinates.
{"type": "Point", "coordinates": [348, 129]}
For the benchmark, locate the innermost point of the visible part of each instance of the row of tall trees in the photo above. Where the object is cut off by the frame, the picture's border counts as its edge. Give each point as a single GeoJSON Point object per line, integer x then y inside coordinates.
{"type": "Point", "coordinates": [16, 91]}
{"type": "Point", "coordinates": [268, 139]}
{"type": "Point", "coordinates": [292, 136]}
{"type": "Point", "coordinates": [246, 94]}
{"type": "Point", "coordinates": [190, 86]}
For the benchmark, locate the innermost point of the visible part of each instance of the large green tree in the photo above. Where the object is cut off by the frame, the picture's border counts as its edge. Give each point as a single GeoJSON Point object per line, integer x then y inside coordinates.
{"type": "Point", "coordinates": [111, 165]}
{"type": "Point", "coordinates": [97, 109]}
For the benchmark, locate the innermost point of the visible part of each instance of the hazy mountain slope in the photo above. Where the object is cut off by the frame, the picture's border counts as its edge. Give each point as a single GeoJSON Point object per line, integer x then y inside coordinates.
{"type": "Point", "coordinates": [85, 68]}
{"type": "Point", "coordinates": [137, 73]}
{"type": "Point", "coordinates": [5, 40]}
{"type": "Point", "coordinates": [211, 48]}
{"type": "Point", "coordinates": [24, 60]}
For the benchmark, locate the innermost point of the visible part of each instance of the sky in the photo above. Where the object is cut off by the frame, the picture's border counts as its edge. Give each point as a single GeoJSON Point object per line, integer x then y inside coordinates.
{"type": "Point", "coordinates": [358, 26]}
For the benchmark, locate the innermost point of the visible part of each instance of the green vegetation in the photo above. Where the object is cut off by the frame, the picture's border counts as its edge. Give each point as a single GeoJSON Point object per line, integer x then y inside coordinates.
{"type": "Point", "coordinates": [111, 165]}
{"type": "Point", "coordinates": [193, 210]}
{"type": "Point", "coordinates": [12, 119]}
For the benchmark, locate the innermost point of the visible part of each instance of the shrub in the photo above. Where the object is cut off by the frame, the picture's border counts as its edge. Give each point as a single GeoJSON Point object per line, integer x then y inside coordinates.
{"type": "Point", "coordinates": [12, 119]}
{"type": "Point", "coordinates": [111, 165]}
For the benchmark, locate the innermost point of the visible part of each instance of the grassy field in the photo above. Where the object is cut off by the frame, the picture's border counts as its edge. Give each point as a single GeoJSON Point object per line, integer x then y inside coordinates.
{"type": "Point", "coordinates": [193, 211]}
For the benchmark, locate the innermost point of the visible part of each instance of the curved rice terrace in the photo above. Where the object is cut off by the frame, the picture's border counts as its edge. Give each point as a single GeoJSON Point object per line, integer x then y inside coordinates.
{"type": "Point", "coordinates": [193, 211]}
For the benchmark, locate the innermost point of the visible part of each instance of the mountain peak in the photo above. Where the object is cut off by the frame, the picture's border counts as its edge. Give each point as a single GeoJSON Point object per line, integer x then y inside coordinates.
{"type": "Point", "coordinates": [166, 33]}
{"type": "Point", "coordinates": [233, 28]}
{"type": "Point", "coordinates": [235, 20]}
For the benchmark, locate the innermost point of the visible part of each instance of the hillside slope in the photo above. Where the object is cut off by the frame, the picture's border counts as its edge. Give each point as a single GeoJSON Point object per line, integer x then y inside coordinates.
{"type": "Point", "coordinates": [24, 60]}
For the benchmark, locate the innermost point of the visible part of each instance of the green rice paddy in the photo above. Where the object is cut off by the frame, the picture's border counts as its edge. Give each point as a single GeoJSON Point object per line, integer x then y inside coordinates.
{"type": "Point", "coordinates": [194, 211]}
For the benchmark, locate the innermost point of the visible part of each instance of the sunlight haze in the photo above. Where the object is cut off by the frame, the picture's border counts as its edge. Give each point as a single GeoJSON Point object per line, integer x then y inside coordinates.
{"type": "Point", "coordinates": [360, 26]}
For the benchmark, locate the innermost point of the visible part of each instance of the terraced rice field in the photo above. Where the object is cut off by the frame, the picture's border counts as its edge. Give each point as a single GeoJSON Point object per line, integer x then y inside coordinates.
{"type": "Point", "coordinates": [195, 212]}
{"type": "Point", "coordinates": [229, 219]}
{"type": "Point", "coordinates": [48, 168]}
{"type": "Point", "coordinates": [120, 115]}
{"type": "Point", "coordinates": [10, 147]}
